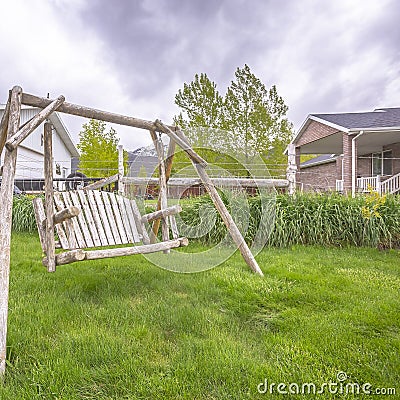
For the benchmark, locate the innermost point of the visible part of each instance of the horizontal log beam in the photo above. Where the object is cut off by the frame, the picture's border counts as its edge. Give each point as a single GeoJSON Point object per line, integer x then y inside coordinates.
{"type": "Point", "coordinates": [87, 112]}
{"type": "Point", "coordinates": [162, 213]}
{"type": "Point", "coordinates": [28, 128]}
{"type": "Point", "coordinates": [235, 182]}
{"type": "Point", "coordinates": [144, 249]}
{"type": "Point", "coordinates": [102, 182]}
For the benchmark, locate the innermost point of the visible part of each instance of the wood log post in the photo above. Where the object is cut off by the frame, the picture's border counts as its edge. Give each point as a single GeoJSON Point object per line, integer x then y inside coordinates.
{"type": "Point", "coordinates": [48, 197]}
{"type": "Point", "coordinates": [6, 200]}
{"type": "Point", "coordinates": [121, 188]}
{"type": "Point", "coordinates": [29, 127]}
{"type": "Point", "coordinates": [168, 169]}
{"type": "Point", "coordinates": [158, 144]}
{"type": "Point", "coordinates": [219, 204]}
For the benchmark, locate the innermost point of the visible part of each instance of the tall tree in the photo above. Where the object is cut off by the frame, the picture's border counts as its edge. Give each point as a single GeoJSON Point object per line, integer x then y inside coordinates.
{"type": "Point", "coordinates": [98, 150]}
{"type": "Point", "coordinates": [249, 120]}
{"type": "Point", "coordinates": [256, 116]}
{"type": "Point", "coordinates": [202, 112]}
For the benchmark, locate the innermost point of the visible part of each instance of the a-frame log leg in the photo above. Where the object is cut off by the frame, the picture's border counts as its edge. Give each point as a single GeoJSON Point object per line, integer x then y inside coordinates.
{"type": "Point", "coordinates": [163, 186]}
{"type": "Point", "coordinates": [6, 200]}
{"type": "Point", "coordinates": [168, 169]}
{"type": "Point", "coordinates": [200, 165]}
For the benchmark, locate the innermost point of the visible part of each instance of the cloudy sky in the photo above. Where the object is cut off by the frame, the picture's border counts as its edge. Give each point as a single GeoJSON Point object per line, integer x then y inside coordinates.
{"type": "Point", "coordinates": [132, 56]}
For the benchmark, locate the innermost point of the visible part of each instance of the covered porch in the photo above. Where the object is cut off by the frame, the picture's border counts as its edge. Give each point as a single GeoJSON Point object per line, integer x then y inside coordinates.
{"type": "Point", "coordinates": [366, 159]}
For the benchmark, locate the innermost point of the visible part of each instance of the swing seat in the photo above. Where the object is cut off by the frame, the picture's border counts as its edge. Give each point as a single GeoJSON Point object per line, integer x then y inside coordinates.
{"type": "Point", "coordinates": [85, 220]}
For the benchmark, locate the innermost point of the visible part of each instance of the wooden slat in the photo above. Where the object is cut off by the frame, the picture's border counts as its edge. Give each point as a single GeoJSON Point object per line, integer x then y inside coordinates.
{"type": "Point", "coordinates": [96, 217]}
{"type": "Point", "coordinates": [103, 216]}
{"type": "Point", "coordinates": [174, 227]}
{"type": "Point", "coordinates": [77, 230]}
{"type": "Point", "coordinates": [110, 216]}
{"type": "Point", "coordinates": [40, 217]}
{"type": "Point", "coordinates": [125, 219]}
{"type": "Point", "coordinates": [64, 230]}
{"type": "Point", "coordinates": [139, 224]}
{"type": "Point", "coordinates": [89, 217]}
{"type": "Point", "coordinates": [131, 219]}
{"type": "Point", "coordinates": [82, 221]}
{"type": "Point", "coordinates": [118, 218]}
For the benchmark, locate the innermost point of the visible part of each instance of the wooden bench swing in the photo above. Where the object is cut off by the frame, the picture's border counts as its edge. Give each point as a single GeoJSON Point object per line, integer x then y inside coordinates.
{"type": "Point", "coordinates": [85, 219]}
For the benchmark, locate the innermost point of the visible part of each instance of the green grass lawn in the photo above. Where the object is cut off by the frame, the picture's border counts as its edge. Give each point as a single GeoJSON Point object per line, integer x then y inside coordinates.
{"type": "Point", "coordinates": [125, 329]}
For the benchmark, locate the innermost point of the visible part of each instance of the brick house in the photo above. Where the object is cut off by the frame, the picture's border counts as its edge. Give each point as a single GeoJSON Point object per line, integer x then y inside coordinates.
{"type": "Point", "coordinates": [355, 150]}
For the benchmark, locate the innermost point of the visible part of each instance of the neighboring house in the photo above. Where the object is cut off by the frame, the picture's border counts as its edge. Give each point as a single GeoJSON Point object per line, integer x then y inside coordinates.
{"type": "Point", "coordinates": [357, 150]}
{"type": "Point", "coordinates": [30, 152]}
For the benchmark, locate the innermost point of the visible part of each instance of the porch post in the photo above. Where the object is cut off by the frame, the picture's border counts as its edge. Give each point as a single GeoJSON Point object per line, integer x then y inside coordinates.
{"type": "Point", "coordinates": [354, 163]}
{"type": "Point", "coordinates": [291, 169]}
{"type": "Point", "coordinates": [353, 166]}
{"type": "Point", "coordinates": [347, 164]}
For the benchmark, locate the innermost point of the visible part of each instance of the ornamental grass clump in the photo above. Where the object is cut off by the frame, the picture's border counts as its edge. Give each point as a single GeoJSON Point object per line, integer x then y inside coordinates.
{"type": "Point", "coordinates": [23, 219]}
{"type": "Point", "coordinates": [329, 219]}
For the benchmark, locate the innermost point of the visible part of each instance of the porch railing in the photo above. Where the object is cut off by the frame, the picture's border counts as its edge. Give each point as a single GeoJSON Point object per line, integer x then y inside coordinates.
{"type": "Point", "coordinates": [339, 185]}
{"type": "Point", "coordinates": [369, 182]}
{"type": "Point", "coordinates": [363, 184]}
{"type": "Point", "coordinates": [390, 185]}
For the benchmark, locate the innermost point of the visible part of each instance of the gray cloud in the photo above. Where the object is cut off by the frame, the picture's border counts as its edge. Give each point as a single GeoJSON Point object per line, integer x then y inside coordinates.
{"type": "Point", "coordinates": [129, 55]}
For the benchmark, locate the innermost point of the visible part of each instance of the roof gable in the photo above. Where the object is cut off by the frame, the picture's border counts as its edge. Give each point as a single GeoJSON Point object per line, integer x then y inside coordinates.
{"type": "Point", "coordinates": [379, 118]}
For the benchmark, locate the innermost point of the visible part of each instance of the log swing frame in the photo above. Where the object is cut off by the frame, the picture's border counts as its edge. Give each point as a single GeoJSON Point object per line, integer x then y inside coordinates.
{"type": "Point", "coordinates": [12, 134]}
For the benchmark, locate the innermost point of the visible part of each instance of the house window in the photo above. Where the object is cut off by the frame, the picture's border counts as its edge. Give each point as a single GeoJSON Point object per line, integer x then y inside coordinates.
{"type": "Point", "coordinates": [382, 163]}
